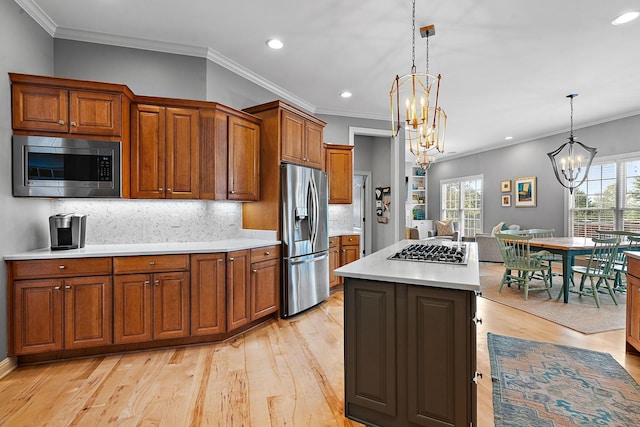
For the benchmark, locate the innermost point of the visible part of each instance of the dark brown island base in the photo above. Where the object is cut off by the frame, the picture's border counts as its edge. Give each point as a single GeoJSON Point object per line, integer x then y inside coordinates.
{"type": "Point", "coordinates": [410, 340]}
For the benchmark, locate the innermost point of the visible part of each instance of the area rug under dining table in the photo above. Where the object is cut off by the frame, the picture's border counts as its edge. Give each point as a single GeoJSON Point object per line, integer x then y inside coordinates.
{"type": "Point", "coordinates": [580, 314]}
{"type": "Point", "coordinates": [543, 384]}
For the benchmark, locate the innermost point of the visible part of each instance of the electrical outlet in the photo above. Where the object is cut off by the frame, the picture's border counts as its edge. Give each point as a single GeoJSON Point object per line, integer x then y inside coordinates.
{"type": "Point", "coordinates": [175, 221]}
{"type": "Point", "coordinates": [231, 220]}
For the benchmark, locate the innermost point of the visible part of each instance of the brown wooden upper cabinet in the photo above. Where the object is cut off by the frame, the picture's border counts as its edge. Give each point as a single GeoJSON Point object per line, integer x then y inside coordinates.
{"type": "Point", "coordinates": [229, 155]}
{"type": "Point", "coordinates": [339, 168]}
{"type": "Point", "coordinates": [301, 141]}
{"type": "Point", "coordinates": [62, 106]}
{"type": "Point", "coordinates": [164, 152]}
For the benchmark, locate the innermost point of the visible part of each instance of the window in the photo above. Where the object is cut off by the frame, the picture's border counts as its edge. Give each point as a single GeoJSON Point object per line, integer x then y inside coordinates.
{"type": "Point", "coordinates": [609, 199]}
{"type": "Point", "coordinates": [462, 202]}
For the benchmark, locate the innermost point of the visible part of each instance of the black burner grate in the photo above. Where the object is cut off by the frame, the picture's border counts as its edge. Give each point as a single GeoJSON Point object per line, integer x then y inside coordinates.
{"type": "Point", "coordinates": [433, 252]}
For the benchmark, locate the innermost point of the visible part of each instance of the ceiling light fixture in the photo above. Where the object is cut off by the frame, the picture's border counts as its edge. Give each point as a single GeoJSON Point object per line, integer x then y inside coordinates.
{"type": "Point", "coordinates": [625, 17]}
{"type": "Point", "coordinates": [569, 158]}
{"type": "Point", "coordinates": [346, 94]}
{"type": "Point", "coordinates": [424, 120]}
{"type": "Point", "coordinates": [508, 138]}
{"type": "Point", "coordinates": [275, 44]}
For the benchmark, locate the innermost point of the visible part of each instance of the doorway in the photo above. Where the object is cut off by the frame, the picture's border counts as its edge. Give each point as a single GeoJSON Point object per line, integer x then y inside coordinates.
{"type": "Point", "coordinates": [361, 202]}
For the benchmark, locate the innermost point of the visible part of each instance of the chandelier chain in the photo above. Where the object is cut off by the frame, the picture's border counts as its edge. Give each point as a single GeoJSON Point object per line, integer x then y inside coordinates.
{"type": "Point", "coordinates": [413, 38]}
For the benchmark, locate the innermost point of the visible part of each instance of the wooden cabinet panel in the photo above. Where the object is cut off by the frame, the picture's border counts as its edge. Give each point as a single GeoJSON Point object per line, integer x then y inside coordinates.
{"type": "Point", "coordinates": [37, 316]}
{"type": "Point", "coordinates": [150, 263]}
{"type": "Point", "coordinates": [238, 293]}
{"type": "Point", "coordinates": [63, 267]}
{"type": "Point", "coordinates": [88, 308]}
{"type": "Point", "coordinates": [350, 248]}
{"type": "Point", "coordinates": [95, 113]}
{"type": "Point", "coordinates": [370, 341]}
{"type": "Point", "coordinates": [244, 159]}
{"type": "Point", "coordinates": [132, 308]}
{"type": "Point", "coordinates": [334, 262]}
{"type": "Point", "coordinates": [40, 108]}
{"type": "Point", "coordinates": [339, 168]}
{"type": "Point", "coordinates": [182, 153]}
{"type": "Point", "coordinates": [633, 305]}
{"type": "Point", "coordinates": [293, 138]}
{"type": "Point", "coordinates": [170, 305]}
{"type": "Point", "coordinates": [147, 151]}
{"type": "Point", "coordinates": [265, 288]}
{"type": "Point", "coordinates": [313, 145]}
{"type": "Point", "coordinates": [213, 155]}
{"type": "Point", "coordinates": [208, 304]}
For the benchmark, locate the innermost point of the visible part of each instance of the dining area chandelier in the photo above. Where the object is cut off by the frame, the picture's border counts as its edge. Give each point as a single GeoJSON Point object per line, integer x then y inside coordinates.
{"type": "Point", "coordinates": [415, 106]}
{"type": "Point", "coordinates": [572, 160]}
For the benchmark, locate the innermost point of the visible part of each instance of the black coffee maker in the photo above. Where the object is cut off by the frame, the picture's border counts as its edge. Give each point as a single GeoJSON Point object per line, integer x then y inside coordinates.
{"type": "Point", "coordinates": [67, 231]}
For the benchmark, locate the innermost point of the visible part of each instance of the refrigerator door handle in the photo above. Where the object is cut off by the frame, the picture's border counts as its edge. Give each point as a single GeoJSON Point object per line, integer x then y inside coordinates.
{"type": "Point", "coordinates": [314, 214]}
{"type": "Point", "coordinates": [307, 260]}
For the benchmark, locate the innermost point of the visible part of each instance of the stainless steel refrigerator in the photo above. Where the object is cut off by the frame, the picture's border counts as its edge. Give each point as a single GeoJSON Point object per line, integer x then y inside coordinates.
{"type": "Point", "coordinates": [305, 238]}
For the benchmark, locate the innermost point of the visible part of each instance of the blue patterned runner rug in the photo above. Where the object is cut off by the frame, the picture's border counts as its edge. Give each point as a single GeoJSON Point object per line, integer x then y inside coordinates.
{"type": "Point", "coordinates": [543, 384]}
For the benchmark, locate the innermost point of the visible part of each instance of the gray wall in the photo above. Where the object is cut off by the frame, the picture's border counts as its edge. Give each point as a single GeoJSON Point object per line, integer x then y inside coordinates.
{"type": "Point", "coordinates": [530, 159]}
{"type": "Point", "coordinates": [25, 48]}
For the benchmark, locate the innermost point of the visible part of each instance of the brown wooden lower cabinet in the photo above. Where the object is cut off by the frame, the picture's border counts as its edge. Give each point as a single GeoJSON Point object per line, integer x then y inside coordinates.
{"type": "Point", "coordinates": [57, 314]}
{"type": "Point", "coordinates": [343, 249]}
{"type": "Point", "coordinates": [410, 355]}
{"type": "Point", "coordinates": [633, 305]}
{"type": "Point", "coordinates": [334, 261]}
{"type": "Point", "coordinates": [58, 304]}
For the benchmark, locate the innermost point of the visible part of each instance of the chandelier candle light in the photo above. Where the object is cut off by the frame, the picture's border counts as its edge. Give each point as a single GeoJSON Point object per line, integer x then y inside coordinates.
{"type": "Point", "coordinates": [424, 120]}
{"type": "Point", "coordinates": [569, 158]}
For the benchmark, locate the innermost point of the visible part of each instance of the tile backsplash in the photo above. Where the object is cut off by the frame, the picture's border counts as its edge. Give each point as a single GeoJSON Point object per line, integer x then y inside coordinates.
{"type": "Point", "coordinates": [156, 221]}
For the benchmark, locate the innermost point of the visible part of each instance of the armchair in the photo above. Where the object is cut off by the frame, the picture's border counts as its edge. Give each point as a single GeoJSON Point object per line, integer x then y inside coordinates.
{"type": "Point", "coordinates": [445, 230]}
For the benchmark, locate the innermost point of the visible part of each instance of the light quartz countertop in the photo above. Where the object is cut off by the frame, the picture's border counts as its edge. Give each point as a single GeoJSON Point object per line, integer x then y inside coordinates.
{"type": "Point", "coordinates": [633, 254]}
{"type": "Point", "coordinates": [133, 249]}
{"type": "Point", "coordinates": [451, 276]}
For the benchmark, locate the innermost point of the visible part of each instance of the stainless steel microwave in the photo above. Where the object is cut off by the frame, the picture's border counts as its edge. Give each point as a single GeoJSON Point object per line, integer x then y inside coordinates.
{"type": "Point", "coordinates": [64, 167]}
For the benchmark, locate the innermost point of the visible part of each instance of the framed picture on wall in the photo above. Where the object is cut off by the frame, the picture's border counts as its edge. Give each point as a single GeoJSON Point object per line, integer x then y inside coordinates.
{"type": "Point", "coordinates": [505, 186]}
{"type": "Point", "coordinates": [525, 192]}
{"type": "Point", "coordinates": [506, 200]}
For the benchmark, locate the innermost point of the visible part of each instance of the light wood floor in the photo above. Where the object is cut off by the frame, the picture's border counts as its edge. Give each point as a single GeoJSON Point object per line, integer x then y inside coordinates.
{"type": "Point", "coordinates": [284, 373]}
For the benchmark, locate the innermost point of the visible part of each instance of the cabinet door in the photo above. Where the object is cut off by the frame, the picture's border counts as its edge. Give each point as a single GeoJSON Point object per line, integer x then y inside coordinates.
{"type": "Point", "coordinates": [334, 262]}
{"type": "Point", "coordinates": [350, 253]}
{"type": "Point", "coordinates": [339, 167]}
{"type": "Point", "coordinates": [244, 159]}
{"type": "Point", "coordinates": [370, 348]}
{"type": "Point", "coordinates": [170, 305]}
{"type": "Point", "coordinates": [132, 308]}
{"type": "Point", "coordinates": [238, 295]}
{"type": "Point", "coordinates": [37, 308]}
{"type": "Point", "coordinates": [87, 307]}
{"type": "Point", "coordinates": [440, 359]}
{"type": "Point", "coordinates": [293, 130]}
{"type": "Point", "coordinates": [265, 288]}
{"type": "Point", "coordinates": [95, 113]}
{"type": "Point", "coordinates": [182, 156]}
{"type": "Point", "coordinates": [147, 151]}
{"type": "Point", "coordinates": [40, 108]}
{"type": "Point", "coordinates": [213, 155]}
{"type": "Point", "coordinates": [208, 282]}
{"type": "Point", "coordinates": [313, 145]}
{"type": "Point", "coordinates": [633, 311]}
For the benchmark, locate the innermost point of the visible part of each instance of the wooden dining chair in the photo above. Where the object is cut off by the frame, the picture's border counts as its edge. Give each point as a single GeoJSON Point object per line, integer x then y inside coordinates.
{"type": "Point", "coordinates": [520, 263]}
{"type": "Point", "coordinates": [599, 270]}
{"type": "Point", "coordinates": [629, 241]}
{"type": "Point", "coordinates": [548, 259]}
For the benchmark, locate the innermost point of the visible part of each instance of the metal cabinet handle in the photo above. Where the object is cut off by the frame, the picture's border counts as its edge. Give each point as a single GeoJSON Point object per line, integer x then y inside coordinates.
{"type": "Point", "coordinates": [56, 288]}
{"type": "Point", "coordinates": [254, 271]}
{"type": "Point", "coordinates": [231, 259]}
{"type": "Point", "coordinates": [233, 192]}
{"type": "Point", "coordinates": [60, 122]}
{"type": "Point", "coordinates": [156, 281]}
{"type": "Point", "coordinates": [267, 253]}
{"type": "Point", "coordinates": [61, 267]}
{"type": "Point", "coordinates": [168, 190]}
{"type": "Point", "coordinates": [220, 259]}
{"type": "Point", "coordinates": [67, 287]}
{"type": "Point", "coordinates": [159, 190]}
{"type": "Point", "coordinates": [152, 263]}
{"type": "Point", "coordinates": [146, 282]}
{"type": "Point", "coordinates": [73, 124]}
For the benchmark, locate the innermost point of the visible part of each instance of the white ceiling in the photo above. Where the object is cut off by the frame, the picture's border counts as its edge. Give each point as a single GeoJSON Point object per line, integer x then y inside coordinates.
{"type": "Point", "coordinates": [506, 65]}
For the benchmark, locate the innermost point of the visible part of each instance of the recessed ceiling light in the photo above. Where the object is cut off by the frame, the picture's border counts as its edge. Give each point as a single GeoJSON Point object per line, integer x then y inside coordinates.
{"type": "Point", "coordinates": [275, 44]}
{"type": "Point", "coordinates": [626, 17]}
{"type": "Point", "coordinates": [346, 94]}
{"type": "Point", "coordinates": [508, 138]}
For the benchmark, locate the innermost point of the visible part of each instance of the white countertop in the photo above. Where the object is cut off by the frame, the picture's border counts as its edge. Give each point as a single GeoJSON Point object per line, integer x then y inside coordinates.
{"type": "Point", "coordinates": [633, 254]}
{"type": "Point", "coordinates": [452, 276]}
{"type": "Point", "coordinates": [144, 249]}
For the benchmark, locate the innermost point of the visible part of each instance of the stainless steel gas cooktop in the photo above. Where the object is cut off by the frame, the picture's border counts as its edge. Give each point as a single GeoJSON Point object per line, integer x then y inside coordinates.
{"type": "Point", "coordinates": [435, 252]}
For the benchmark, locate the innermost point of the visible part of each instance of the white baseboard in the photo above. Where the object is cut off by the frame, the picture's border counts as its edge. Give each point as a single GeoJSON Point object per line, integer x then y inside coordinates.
{"type": "Point", "coordinates": [7, 365]}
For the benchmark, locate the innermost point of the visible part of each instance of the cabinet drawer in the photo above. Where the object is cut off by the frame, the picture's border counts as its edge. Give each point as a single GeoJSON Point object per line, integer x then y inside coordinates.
{"type": "Point", "coordinates": [150, 263]}
{"type": "Point", "coordinates": [351, 239]}
{"type": "Point", "coordinates": [60, 267]}
{"type": "Point", "coordinates": [333, 241]}
{"type": "Point", "coordinates": [265, 253]}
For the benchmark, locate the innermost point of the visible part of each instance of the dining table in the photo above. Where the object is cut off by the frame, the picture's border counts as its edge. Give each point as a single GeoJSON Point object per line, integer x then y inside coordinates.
{"type": "Point", "coordinates": [569, 248]}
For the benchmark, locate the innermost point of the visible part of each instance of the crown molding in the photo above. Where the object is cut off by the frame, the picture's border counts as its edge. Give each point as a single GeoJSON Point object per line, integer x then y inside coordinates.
{"type": "Point", "coordinates": [38, 15]}
{"type": "Point", "coordinates": [342, 113]}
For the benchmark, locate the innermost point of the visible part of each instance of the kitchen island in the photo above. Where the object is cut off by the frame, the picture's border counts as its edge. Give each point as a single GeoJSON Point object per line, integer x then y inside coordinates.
{"type": "Point", "coordinates": [410, 339]}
